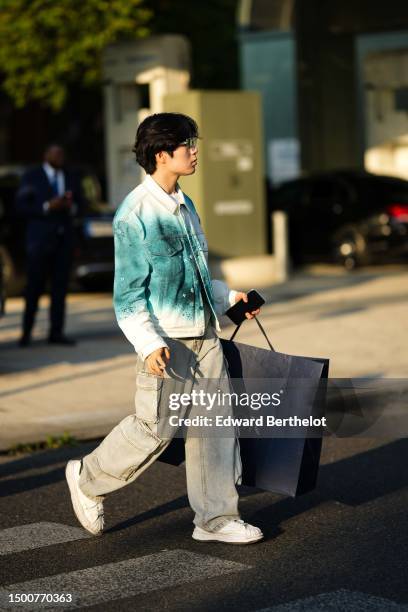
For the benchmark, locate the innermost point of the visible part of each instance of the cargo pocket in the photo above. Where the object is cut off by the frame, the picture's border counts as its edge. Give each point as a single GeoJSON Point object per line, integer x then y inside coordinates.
{"type": "Point", "coordinates": [128, 449]}
{"type": "Point", "coordinates": [147, 397]}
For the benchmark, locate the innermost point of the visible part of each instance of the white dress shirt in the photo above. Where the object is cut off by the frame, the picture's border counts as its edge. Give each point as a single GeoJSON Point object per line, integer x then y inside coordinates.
{"type": "Point", "coordinates": [51, 173]}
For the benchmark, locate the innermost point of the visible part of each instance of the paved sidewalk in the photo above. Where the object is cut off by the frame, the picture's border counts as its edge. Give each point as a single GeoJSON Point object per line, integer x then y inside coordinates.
{"type": "Point", "coordinates": [358, 321]}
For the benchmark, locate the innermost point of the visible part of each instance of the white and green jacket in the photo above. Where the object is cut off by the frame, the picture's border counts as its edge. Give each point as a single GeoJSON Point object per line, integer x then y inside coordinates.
{"type": "Point", "coordinates": [158, 257]}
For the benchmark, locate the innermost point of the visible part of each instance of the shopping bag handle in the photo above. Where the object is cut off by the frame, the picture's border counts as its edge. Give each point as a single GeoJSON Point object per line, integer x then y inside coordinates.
{"type": "Point", "coordinates": [260, 327]}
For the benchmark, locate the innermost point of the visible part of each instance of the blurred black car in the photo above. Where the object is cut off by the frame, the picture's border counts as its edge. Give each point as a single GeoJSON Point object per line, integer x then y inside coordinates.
{"type": "Point", "coordinates": [351, 217]}
{"type": "Point", "coordinates": [93, 263]}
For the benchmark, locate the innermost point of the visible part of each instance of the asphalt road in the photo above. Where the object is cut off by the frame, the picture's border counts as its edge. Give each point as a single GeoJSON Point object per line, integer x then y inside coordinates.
{"type": "Point", "coordinates": [342, 547]}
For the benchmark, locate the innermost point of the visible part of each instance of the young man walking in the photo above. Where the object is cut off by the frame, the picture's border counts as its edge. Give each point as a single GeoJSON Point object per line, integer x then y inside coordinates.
{"type": "Point", "coordinates": [167, 306]}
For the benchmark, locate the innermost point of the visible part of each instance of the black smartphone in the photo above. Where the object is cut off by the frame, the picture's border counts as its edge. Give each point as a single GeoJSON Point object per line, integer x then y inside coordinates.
{"type": "Point", "coordinates": [237, 312]}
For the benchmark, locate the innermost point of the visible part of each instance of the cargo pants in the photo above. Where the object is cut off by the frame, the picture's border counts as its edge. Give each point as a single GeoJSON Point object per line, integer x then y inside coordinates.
{"type": "Point", "coordinates": [213, 464]}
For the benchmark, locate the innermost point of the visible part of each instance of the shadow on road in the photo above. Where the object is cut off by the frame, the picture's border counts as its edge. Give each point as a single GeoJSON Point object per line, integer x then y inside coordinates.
{"type": "Point", "coordinates": [355, 480]}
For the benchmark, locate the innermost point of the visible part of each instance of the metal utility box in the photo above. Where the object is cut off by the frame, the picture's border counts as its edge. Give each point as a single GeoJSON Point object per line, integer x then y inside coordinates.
{"type": "Point", "coordinates": [228, 185]}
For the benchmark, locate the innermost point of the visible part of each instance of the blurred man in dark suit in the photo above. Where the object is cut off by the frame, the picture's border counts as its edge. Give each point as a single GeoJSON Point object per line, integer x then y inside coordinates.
{"type": "Point", "coordinates": [49, 198]}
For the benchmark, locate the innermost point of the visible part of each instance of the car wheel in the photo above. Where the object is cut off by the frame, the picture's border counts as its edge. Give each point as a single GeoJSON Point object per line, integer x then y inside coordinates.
{"type": "Point", "coordinates": [350, 263]}
{"type": "Point", "coordinates": [350, 249]}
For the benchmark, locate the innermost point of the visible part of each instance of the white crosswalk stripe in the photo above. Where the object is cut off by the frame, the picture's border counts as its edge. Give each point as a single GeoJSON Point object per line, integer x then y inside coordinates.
{"type": "Point", "coordinates": [123, 579]}
{"type": "Point", "coordinates": [37, 535]}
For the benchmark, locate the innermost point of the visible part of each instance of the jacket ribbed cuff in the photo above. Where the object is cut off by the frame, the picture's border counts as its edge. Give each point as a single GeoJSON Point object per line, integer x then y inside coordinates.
{"type": "Point", "coordinates": [231, 297]}
{"type": "Point", "coordinates": [152, 346]}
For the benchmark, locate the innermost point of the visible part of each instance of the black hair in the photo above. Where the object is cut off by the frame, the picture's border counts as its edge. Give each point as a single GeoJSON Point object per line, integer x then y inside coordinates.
{"type": "Point", "coordinates": [161, 132]}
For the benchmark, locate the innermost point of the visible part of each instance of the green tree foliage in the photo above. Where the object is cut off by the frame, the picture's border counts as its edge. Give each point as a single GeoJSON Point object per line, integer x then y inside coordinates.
{"type": "Point", "coordinates": [46, 45]}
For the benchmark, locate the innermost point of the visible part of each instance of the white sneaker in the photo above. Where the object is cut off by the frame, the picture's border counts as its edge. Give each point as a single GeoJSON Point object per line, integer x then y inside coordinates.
{"type": "Point", "coordinates": [89, 512]}
{"type": "Point", "coordinates": [234, 532]}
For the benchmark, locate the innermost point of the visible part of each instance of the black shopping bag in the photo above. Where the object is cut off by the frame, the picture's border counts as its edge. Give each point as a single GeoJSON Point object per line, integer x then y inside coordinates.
{"type": "Point", "coordinates": [280, 465]}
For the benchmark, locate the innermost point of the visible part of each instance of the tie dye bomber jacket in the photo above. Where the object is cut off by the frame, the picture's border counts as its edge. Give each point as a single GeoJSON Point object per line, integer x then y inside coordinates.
{"type": "Point", "coordinates": [159, 254]}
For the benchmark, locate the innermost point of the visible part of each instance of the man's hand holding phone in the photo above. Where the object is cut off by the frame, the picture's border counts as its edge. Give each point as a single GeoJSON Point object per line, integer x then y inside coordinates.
{"type": "Point", "coordinates": [57, 203]}
{"type": "Point", "coordinates": [244, 296]}
{"type": "Point", "coordinates": [247, 306]}
{"type": "Point", "coordinates": [63, 202]}
{"type": "Point", "coordinates": [156, 362]}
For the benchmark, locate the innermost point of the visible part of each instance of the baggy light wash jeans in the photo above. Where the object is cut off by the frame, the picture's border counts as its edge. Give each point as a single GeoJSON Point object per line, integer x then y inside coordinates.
{"type": "Point", "coordinates": [213, 464]}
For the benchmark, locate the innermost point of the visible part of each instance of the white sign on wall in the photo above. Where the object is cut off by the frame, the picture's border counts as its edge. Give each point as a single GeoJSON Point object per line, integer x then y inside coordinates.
{"type": "Point", "coordinates": [238, 150]}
